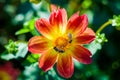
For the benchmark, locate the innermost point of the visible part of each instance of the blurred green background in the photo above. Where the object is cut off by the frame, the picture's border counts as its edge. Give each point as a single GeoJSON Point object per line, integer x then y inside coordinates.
{"type": "Point", "coordinates": [17, 19]}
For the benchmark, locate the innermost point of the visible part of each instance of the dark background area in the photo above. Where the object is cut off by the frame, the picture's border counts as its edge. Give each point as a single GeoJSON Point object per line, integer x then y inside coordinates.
{"type": "Point", "coordinates": [106, 62]}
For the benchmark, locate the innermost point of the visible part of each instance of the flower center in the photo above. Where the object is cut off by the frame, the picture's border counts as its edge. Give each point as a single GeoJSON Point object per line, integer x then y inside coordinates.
{"type": "Point", "coordinates": [62, 43]}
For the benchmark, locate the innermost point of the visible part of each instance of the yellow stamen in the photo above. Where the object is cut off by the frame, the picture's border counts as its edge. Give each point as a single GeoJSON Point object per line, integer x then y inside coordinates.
{"type": "Point", "coordinates": [61, 44]}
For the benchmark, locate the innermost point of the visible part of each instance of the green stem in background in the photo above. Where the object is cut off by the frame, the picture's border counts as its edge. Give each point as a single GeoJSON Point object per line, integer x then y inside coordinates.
{"type": "Point", "coordinates": [104, 26]}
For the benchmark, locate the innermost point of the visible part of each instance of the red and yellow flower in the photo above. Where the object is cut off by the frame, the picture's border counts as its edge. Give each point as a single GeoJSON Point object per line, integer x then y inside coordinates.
{"type": "Point", "coordinates": [7, 72]}
{"type": "Point", "coordinates": [61, 41]}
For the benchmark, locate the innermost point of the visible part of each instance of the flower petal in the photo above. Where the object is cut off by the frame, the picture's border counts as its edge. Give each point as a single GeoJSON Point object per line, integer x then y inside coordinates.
{"type": "Point", "coordinates": [44, 27]}
{"type": "Point", "coordinates": [38, 44]}
{"type": "Point", "coordinates": [86, 37]}
{"type": "Point", "coordinates": [73, 17]}
{"type": "Point", "coordinates": [58, 20]}
{"type": "Point", "coordinates": [53, 7]}
{"type": "Point", "coordinates": [82, 54]}
{"type": "Point", "coordinates": [77, 24]}
{"type": "Point", "coordinates": [65, 66]}
{"type": "Point", "coordinates": [47, 60]}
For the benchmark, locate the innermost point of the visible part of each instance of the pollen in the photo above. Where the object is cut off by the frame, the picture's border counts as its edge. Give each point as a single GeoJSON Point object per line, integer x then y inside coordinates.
{"type": "Point", "coordinates": [61, 44]}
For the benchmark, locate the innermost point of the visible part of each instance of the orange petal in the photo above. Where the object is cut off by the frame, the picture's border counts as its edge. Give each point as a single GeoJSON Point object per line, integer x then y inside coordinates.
{"type": "Point", "coordinates": [82, 54]}
{"type": "Point", "coordinates": [73, 17]}
{"type": "Point", "coordinates": [47, 60]}
{"type": "Point", "coordinates": [58, 19]}
{"type": "Point", "coordinates": [38, 44]}
{"type": "Point", "coordinates": [44, 27]}
{"type": "Point", "coordinates": [77, 24]}
{"type": "Point", "coordinates": [65, 66]}
{"type": "Point", "coordinates": [86, 37]}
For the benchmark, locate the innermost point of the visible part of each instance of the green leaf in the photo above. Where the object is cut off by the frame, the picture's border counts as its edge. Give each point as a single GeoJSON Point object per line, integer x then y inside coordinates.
{"type": "Point", "coordinates": [15, 50]}
{"type": "Point", "coordinates": [7, 56]}
{"type": "Point", "coordinates": [22, 31]}
{"type": "Point", "coordinates": [22, 49]}
{"type": "Point", "coordinates": [94, 47]}
{"type": "Point", "coordinates": [97, 43]}
{"type": "Point", "coordinates": [32, 58]}
{"type": "Point", "coordinates": [28, 26]}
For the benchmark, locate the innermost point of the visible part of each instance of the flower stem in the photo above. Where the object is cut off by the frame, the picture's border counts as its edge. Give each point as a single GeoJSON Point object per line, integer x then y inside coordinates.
{"type": "Point", "coordinates": [104, 26]}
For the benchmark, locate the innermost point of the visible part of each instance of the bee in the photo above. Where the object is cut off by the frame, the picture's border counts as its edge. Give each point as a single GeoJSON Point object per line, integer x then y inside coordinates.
{"type": "Point", "coordinates": [70, 37]}
{"type": "Point", "coordinates": [61, 50]}
{"type": "Point", "coordinates": [58, 50]}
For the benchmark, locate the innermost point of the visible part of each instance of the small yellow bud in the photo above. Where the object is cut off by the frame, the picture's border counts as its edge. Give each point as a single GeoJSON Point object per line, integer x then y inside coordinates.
{"type": "Point", "coordinates": [35, 1]}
